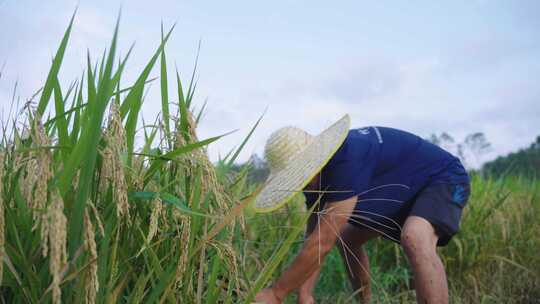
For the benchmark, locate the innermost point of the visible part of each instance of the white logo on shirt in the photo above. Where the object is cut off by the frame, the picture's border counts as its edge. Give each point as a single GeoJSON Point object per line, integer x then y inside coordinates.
{"type": "Point", "coordinates": [363, 131]}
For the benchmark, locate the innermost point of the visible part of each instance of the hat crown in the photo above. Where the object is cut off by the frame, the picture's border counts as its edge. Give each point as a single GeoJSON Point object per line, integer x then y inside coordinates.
{"type": "Point", "coordinates": [283, 145]}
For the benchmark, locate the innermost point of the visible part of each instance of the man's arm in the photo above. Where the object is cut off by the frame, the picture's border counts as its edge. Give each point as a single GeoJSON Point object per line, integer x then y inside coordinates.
{"type": "Point", "coordinates": [305, 292]}
{"type": "Point", "coordinates": [333, 217]}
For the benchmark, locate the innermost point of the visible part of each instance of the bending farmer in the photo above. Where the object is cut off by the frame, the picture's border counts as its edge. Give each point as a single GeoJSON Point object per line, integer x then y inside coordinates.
{"type": "Point", "coordinates": [366, 182]}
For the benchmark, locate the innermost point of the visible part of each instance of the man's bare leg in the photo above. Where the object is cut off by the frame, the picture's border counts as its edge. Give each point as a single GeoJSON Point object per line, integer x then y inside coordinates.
{"type": "Point", "coordinates": [419, 241]}
{"type": "Point", "coordinates": [356, 260]}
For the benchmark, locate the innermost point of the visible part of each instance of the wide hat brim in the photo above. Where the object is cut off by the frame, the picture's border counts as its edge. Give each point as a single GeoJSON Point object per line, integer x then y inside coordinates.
{"type": "Point", "coordinates": [282, 185]}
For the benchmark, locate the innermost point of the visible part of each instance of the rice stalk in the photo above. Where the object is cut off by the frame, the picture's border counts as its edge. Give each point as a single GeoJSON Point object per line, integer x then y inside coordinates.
{"type": "Point", "coordinates": [155, 215]}
{"type": "Point", "coordinates": [35, 190]}
{"type": "Point", "coordinates": [199, 160]}
{"type": "Point", "coordinates": [38, 170]}
{"type": "Point", "coordinates": [113, 168]}
{"type": "Point", "coordinates": [55, 228]}
{"type": "Point", "coordinates": [97, 217]}
{"type": "Point", "coordinates": [92, 283]}
{"type": "Point", "coordinates": [29, 180]}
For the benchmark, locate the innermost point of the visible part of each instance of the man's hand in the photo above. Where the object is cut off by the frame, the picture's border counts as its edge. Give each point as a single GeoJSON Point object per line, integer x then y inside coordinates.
{"type": "Point", "coordinates": [306, 299]}
{"type": "Point", "coordinates": [267, 296]}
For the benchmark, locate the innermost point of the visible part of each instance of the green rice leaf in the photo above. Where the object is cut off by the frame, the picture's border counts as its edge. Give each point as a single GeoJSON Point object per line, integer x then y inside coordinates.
{"type": "Point", "coordinates": [85, 152]}
{"type": "Point", "coordinates": [192, 82]}
{"type": "Point", "coordinates": [158, 162]}
{"type": "Point", "coordinates": [133, 101]}
{"type": "Point", "coordinates": [164, 88]}
{"type": "Point", "coordinates": [61, 122]}
{"type": "Point", "coordinates": [55, 68]}
{"type": "Point", "coordinates": [169, 199]}
{"type": "Point", "coordinates": [183, 109]}
{"type": "Point", "coordinates": [233, 158]}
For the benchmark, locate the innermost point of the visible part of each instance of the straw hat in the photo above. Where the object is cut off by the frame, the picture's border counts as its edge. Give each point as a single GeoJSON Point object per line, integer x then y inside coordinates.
{"type": "Point", "coordinates": [295, 157]}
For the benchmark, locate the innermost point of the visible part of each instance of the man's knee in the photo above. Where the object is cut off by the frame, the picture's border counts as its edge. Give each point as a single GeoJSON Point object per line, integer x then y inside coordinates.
{"type": "Point", "coordinates": [418, 236]}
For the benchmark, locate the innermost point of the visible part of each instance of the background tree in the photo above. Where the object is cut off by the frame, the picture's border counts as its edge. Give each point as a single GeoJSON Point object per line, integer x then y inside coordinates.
{"type": "Point", "coordinates": [470, 151]}
{"type": "Point", "coordinates": [525, 162]}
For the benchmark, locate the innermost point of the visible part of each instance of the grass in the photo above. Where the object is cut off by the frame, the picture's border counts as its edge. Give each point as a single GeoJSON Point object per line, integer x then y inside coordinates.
{"type": "Point", "coordinates": [89, 214]}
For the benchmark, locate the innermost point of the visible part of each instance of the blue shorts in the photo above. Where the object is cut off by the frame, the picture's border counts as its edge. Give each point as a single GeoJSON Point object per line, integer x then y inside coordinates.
{"type": "Point", "coordinates": [441, 204]}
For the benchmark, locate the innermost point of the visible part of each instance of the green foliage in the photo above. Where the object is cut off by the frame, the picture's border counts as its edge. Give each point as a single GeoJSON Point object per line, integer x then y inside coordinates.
{"type": "Point", "coordinates": [258, 169]}
{"type": "Point", "coordinates": [525, 162]}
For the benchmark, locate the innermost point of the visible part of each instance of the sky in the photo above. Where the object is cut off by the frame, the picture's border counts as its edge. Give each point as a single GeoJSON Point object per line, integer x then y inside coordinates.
{"type": "Point", "coordinates": [422, 66]}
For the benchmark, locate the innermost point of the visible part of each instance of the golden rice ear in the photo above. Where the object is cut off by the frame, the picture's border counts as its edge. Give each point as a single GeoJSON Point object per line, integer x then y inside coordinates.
{"type": "Point", "coordinates": [157, 207]}
{"type": "Point", "coordinates": [38, 170]}
{"type": "Point", "coordinates": [57, 236]}
{"type": "Point", "coordinates": [112, 166]}
{"type": "Point", "coordinates": [198, 159]}
{"type": "Point", "coordinates": [92, 282]}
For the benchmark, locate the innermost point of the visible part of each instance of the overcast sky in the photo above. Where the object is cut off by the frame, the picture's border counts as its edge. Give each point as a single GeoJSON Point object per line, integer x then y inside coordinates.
{"type": "Point", "coordinates": [462, 67]}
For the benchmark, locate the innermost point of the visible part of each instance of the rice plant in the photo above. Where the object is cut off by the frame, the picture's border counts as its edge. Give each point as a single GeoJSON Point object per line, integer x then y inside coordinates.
{"type": "Point", "coordinates": [91, 215]}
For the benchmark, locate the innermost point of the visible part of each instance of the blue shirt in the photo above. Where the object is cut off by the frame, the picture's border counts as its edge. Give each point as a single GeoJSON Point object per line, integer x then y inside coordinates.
{"type": "Point", "coordinates": [386, 165]}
